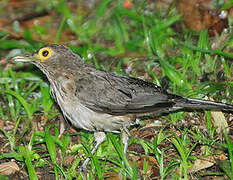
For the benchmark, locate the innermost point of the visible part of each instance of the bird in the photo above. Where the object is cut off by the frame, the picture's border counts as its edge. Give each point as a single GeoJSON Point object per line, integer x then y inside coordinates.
{"type": "Point", "coordinates": [99, 101]}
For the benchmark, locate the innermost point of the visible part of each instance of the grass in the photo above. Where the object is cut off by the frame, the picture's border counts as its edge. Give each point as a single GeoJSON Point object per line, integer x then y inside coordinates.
{"type": "Point", "coordinates": [110, 36]}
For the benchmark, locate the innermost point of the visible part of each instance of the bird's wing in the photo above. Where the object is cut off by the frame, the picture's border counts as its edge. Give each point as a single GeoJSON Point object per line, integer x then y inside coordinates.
{"type": "Point", "coordinates": [114, 94]}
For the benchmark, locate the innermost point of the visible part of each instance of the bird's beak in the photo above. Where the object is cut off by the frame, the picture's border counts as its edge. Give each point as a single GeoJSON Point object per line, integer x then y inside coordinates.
{"type": "Point", "coordinates": [26, 58]}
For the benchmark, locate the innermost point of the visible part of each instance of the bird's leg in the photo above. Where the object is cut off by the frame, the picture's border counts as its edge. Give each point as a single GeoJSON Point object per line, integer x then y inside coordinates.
{"type": "Point", "coordinates": [125, 141]}
{"type": "Point", "coordinates": [99, 138]}
{"type": "Point", "coordinates": [125, 138]}
{"type": "Point", "coordinates": [62, 126]}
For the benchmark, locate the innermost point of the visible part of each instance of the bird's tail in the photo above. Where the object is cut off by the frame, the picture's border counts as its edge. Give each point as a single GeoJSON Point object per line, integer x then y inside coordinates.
{"type": "Point", "coordinates": [189, 103]}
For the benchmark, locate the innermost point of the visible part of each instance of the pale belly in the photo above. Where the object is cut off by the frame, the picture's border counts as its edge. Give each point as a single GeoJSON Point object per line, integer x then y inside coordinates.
{"type": "Point", "coordinates": [84, 118]}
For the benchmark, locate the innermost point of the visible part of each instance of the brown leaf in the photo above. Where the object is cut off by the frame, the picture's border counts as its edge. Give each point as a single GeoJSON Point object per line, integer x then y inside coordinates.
{"type": "Point", "coordinates": [111, 176]}
{"type": "Point", "coordinates": [16, 4]}
{"type": "Point", "coordinates": [201, 14]}
{"type": "Point", "coordinates": [8, 168]}
{"type": "Point", "coordinates": [219, 121]}
{"type": "Point", "coordinates": [200, 164]}
{"type": "Point", "coordinates": [69, 160]}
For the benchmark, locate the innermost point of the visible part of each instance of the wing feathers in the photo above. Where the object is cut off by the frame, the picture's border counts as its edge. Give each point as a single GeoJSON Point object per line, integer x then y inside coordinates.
{"type": "Point", "coordinates": [114, 94]}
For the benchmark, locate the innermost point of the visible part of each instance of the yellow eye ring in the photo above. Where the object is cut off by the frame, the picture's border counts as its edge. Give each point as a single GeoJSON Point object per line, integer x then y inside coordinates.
{"type": "Point", "coordinates": [45, 53]}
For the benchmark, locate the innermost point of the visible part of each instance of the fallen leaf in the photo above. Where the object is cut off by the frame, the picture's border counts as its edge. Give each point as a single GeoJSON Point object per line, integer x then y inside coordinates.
{"type": "Point", "coordinates": [219, 121]}
{"type": "Point", "coordinates": [201, 14]}
{"type": "Point", "coordinates": [200, 164]}
{"type": "Point", "coordinates": [8, 168]}
{"type": "Point", "coordinates": [111, 176]}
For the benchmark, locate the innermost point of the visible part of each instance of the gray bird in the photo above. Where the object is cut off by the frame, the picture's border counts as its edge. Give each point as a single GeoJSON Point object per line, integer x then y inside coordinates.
{"type": "Point", "coordinates": [100, 101]}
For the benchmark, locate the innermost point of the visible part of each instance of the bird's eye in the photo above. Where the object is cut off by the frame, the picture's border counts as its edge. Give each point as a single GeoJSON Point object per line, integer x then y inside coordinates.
{"type": "Point", "coordinates": [45, 53]}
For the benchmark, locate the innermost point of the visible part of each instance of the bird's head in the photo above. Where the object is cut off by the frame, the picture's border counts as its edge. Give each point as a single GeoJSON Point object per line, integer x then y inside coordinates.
{"type": "Point", "coordinates": [52, 56]}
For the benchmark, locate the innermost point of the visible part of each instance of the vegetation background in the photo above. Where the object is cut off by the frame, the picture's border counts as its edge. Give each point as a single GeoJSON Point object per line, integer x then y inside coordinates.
{"type": "Point", "coordinates": [183, 46]}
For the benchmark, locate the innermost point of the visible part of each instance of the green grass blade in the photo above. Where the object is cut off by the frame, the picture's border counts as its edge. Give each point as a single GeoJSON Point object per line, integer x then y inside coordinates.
{"type": "Point", "coordinates": [230, 150]}
{"type": "Point", "coordinates": [120, 152]}
{"type": "Point", "coordinates": [29, 110]}
{"type": "Point", "coordinates": [226, 167]}
{"type": "Point", "coordinates": [28, 161]}
{"type": "Point", "coordinates": [58, 35]}
{"type": "Point", "coordinates": [50, 144]}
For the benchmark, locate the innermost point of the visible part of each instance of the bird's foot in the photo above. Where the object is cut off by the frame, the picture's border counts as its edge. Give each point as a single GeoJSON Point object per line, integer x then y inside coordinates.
{"type": "Point", "coordinates": [99, 138]}
{"type": "Point", "coordinates": [84, 165]}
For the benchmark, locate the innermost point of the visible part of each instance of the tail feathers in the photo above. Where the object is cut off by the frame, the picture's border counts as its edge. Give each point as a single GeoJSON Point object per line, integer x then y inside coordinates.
{"type": "Point", "coordinates": [189, 103]}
